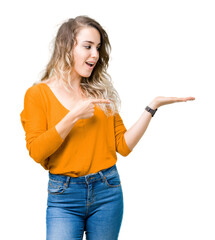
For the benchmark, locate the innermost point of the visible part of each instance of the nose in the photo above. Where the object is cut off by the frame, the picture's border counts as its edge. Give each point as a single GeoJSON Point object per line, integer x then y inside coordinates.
{"type": "Point", "coordinates": [95, 53]}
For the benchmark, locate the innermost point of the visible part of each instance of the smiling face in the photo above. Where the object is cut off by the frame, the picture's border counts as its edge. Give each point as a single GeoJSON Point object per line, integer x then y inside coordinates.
{"type": "Point", "coordinates": [86, 52]}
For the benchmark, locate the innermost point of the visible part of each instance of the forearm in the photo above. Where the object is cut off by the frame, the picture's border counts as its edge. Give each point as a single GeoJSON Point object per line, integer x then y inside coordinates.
{"type": "Point", "coordinates": [66, 124]}
{"type": "Point", "coordinates": [134, 134]}
{"type": "Point", "coordinates": [49, 141]}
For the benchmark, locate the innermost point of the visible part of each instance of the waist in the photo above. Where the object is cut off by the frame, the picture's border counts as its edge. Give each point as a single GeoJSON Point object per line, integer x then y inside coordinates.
{"type": "Point", "coordinates": [83, 179]}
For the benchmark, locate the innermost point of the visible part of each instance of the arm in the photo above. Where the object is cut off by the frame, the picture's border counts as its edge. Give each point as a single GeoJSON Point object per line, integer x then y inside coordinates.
{"type": "Point", "coordinates": [134, 134]}
{"type": "Point", "coordinates": [40, 141]}
{"type": "Point", "coordinates": [119, 131]}
{"type": "Point", "coordinates": [66, 124]}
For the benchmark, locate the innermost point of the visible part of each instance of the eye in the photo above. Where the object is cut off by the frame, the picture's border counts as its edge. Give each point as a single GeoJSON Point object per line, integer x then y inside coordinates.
{"type": "Point", "coordinates": [88, 47]}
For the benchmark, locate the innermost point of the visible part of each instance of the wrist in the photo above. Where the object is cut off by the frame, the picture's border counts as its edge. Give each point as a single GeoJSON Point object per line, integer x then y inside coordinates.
{"type": "Point", "coordinates": [74, 116]}
{"type": "Point", "coordinates": [153, 104]}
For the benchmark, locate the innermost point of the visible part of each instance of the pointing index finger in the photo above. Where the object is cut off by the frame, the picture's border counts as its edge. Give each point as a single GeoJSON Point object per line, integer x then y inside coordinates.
{"type": "Point", "coordinates": [100, 101]}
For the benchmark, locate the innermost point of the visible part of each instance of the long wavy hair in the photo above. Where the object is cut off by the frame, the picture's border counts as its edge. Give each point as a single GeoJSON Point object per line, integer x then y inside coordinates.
{"type": "Point", "coordinates": [99, 84]}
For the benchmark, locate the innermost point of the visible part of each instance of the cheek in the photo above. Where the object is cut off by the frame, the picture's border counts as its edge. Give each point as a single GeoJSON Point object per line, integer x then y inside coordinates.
{"type": "Point", "coordinates": [80, 55]}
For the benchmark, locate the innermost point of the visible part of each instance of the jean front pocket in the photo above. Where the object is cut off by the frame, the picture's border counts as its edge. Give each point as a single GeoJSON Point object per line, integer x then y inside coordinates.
{"type": "Point", "coordinates": [113, 179]}
{"type": "Point", "coordinates": [56, 187]}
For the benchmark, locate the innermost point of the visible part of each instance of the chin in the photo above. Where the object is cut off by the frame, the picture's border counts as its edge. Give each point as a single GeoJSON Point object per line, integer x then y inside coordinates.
{"type": "Point", "coordinates": [86, 75]}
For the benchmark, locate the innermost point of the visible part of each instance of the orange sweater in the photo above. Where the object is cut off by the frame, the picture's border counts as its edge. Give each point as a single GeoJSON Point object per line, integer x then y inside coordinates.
{"type": "Point", "coordinates": [90, 146]}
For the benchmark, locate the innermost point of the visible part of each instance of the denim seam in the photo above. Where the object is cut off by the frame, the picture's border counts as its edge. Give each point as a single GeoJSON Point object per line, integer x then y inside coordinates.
{"type": "Point", "coordinates": [78, 182]}
{"type": "Point", "coordinates": [110, 172]}
{"type": "Point", "coordinates": [88, 204]}
{"type": "Point", "coordinates": [55, 180]}
{"type": "Point", "coordinates": [57, 193]}
{"type": "Point", "coordinates": [112, 185]}
{"type": "Point", "coordinates": [106, 182]}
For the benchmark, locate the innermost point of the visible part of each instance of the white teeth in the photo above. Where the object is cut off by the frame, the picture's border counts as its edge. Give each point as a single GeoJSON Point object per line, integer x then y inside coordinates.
{"type": "Point", "coordinates": [90, 63]}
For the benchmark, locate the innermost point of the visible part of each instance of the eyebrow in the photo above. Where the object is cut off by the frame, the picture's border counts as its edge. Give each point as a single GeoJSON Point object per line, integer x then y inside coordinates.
{"type": "Point", "coordinates": [92, 42]}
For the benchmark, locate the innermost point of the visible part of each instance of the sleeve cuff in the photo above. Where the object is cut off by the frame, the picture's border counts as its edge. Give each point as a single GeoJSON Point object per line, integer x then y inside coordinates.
{"type": "Point", "coordinates": [126, 148]}
{"type": "Point", "coordinates": [56, 135]}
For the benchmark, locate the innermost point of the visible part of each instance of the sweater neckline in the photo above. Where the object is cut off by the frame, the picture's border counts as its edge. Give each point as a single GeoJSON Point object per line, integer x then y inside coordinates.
{"type": "Point", "coordinates": [59, 102]}
{"type": "Point", "coordinates": [55, 97]}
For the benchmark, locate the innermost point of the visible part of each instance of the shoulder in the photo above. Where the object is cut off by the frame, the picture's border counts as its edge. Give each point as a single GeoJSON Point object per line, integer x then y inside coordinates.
{"type": "Point", "coordinates": [37, 86]}
{"type": "Point", "coordinates": [35, 92]}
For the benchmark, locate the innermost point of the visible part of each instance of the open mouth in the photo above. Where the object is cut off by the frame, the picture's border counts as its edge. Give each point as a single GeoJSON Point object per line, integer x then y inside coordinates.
{"type": "Point", "coordinates": [91, 65]}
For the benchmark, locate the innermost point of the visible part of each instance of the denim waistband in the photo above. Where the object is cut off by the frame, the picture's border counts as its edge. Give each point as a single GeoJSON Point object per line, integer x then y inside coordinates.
{"type": "Point", "coordinates": [83, 179]}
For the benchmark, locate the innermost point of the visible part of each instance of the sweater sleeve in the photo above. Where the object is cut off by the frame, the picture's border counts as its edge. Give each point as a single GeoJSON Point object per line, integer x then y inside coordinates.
{"type": "Point", "coordinates": [40, 141]}
{"type": "Point", "coordinates": [120, 129]}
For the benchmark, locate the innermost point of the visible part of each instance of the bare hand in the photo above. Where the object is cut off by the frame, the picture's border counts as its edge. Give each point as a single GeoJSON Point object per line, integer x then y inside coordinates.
{"type": "Point", "coordinates": [85, 108]}
{"type": "Point", "coordinates": [160, 101]}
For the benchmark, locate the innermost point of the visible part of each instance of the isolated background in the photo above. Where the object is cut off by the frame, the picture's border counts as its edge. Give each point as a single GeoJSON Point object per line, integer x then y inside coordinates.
{"type": "Point", "coordinates": [159, 48]}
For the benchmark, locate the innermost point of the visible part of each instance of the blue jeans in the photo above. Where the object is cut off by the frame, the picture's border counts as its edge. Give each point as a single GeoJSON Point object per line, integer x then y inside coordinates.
{"type": "Point", "coordinates": [91, 203]}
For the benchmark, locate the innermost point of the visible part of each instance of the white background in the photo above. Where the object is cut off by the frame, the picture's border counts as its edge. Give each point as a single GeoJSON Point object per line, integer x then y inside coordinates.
{"type": "Point", "coordinates": [159, 48]}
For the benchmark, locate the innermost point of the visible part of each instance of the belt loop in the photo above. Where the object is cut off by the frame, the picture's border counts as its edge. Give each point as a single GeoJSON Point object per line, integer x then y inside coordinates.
{"type": "Point", "coordinates": [67, 181]}
{"type": "Point", "coordinates": [102, 176]}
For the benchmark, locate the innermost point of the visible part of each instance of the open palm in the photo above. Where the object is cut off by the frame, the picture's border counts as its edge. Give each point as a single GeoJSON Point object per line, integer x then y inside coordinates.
{"type": "Point", "coordinates": [160, 101]}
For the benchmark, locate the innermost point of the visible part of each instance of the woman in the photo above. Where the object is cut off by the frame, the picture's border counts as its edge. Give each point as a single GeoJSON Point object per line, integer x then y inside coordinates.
{"type": "Point", "coordinates": [73, 129]}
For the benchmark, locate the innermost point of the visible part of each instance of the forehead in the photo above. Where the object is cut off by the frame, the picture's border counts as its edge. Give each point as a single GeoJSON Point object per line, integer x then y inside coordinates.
{"type": "Point", "coordinates": [88, 34]}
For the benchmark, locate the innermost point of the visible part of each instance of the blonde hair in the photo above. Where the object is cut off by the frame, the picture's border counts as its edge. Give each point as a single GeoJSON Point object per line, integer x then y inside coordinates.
{"type": "Point", "coordinates": [99, 83]}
